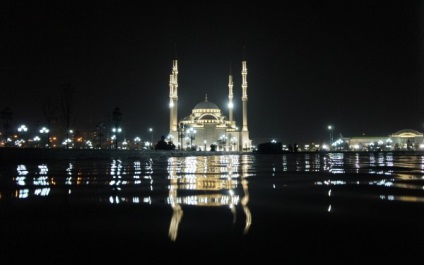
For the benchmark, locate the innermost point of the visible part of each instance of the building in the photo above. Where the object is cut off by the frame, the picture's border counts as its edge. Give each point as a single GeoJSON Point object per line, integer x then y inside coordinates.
{"type": "Point", "coordinates": [207, 125]}
{"type": "Point", "coordinates": [406, 139]}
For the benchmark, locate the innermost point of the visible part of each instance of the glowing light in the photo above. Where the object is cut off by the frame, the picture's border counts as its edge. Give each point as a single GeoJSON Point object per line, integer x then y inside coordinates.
{"type": "Point", "coordinates": [44, 130]}
{"type": "Point", "coordinates": [22, 128]}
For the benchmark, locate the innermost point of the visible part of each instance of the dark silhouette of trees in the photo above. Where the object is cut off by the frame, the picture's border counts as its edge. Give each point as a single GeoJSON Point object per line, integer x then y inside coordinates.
{"type": "Point", "coordinates": [67, 106]}
{"type": "Point", "coordinates": [161, 144]}
{"type": "Point", "coordinates": [6, 116]}
{"type": "Point", "coordinates": [116, 118]}
{"type": "Point", "coordinates": [49, 111]}
{"type": "Point", "coordinates": [101, 128]}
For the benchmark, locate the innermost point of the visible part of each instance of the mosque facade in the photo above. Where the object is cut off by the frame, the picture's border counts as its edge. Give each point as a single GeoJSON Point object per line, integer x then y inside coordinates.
{"type": "Point", "coordinates": [207, 127]}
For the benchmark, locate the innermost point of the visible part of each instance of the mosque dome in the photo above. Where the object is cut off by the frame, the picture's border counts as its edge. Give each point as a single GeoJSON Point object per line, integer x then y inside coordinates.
{"type": "Point", "coordinates": [206, 105]}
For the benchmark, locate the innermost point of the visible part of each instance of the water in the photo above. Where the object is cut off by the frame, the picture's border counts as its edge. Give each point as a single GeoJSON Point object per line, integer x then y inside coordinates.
{"type": "Point", "coordinates": [305, 208]}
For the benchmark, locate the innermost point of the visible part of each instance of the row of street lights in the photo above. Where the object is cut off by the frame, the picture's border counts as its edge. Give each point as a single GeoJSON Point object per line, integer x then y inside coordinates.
{"type": "Point", "coordinates": [182, 132]}
{"type": "Point", "coordinates": [23, 129]}
{"type": "Point", "coordinates": [188, 134]}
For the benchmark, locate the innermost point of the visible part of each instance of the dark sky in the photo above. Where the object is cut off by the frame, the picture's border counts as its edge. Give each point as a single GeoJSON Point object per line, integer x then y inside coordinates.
{"type": "Point", "coordinates": [356, 65]}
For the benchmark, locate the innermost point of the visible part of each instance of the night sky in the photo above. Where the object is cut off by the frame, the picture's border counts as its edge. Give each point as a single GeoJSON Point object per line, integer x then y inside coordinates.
{"type": "Point", "coordinates": [356, 65]}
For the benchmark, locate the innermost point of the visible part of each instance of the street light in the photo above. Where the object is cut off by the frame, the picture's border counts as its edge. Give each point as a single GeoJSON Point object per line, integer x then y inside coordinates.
{"type": "Point", "coordinates": [116, 131]}
{"type": "Point", "coordinates": [70, 139]}
{"type": "Point", "coordinates": [66, 143]}
{"type": "Point", "coordinates": [137, 141]}
{"type": "Point", "coordinates": [44, 130]}
{"type": "Point", "coordinates": [191, 133]}
{"type": "Point", "coordinates": [151, 132]}
{"type": "Point", "coordinates": [331, 128]}
{"type": "Point", "coordinates": [181, 133]}
{"type": "Point", "coordinates": [124, 144]}
{"type": "Point", "coordinates": [389, 144]}
{"type": "Point", "coordinates": [116, 117]}
{"type": "Point", "coordinates": [36, 140]}
{"type": "Point", "coordinates": [233, 142]}
{"type": "Point", "coordinates": [22, 130]}
{"type": "Point", "coordinates": [223, 141]}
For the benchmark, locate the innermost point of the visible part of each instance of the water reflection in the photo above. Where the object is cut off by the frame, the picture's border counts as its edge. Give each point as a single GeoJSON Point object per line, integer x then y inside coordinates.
{"type": "Point", "coordinates": [217, 181]}
{"type": "Point", "coordinates": [211, 181]}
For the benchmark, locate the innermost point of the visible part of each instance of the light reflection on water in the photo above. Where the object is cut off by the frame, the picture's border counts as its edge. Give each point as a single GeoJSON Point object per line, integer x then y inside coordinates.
{"type": "Point", "coordinates": [217, 181]}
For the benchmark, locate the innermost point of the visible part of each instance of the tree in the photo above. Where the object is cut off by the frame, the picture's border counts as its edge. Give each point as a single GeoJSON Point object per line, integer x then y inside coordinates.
{"type": "Point", "coordinates": [6, 116]}
{"type": "Point", "coordinates": [100, 127]}
{"type": "Point", "coordinates": [116, 118]}
{"type": "Point", "coordinates": [67, 104]}
{"type": "Point", "coordinates": [48, 111]}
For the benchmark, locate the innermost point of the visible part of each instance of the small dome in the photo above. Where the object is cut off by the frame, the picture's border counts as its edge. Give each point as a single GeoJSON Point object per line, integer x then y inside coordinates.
{"type": "Point", "coordinates": [206, 105]}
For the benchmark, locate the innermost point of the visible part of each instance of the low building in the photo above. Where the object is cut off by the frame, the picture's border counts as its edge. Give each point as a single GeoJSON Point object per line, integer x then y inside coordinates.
{"type": "Point", "coordinates": [406, 139]}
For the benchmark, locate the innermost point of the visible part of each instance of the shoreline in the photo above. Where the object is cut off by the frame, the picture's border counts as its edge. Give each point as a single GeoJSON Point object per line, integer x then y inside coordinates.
{"type": "Point", "coordinates": [25, 154]}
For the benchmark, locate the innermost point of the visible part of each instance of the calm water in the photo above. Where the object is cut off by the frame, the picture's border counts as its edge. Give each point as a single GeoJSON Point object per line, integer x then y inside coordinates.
{"type": "Point", "coordinates": [338, 208]}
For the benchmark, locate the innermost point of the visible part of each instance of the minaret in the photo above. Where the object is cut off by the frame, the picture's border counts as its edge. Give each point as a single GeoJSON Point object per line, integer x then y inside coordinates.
{"type": "Point", "coordinates": [245, 142]}
{"type": "Point", "coordinates": [230, 98]}
{"type": "Point", "coordinates": [244, 95]}
{"type": "Point", "coordinates": [173, 98]}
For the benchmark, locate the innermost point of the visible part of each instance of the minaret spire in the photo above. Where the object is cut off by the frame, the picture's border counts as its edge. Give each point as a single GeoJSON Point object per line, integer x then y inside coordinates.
{"type": "Point", "coordinates": [173, 97]}
{"type": "Point", "coordinates": [176, 54]}
{"type": "Point", "coordinates": [244, 94]}
{"type": "Point", "coordinates": [230, 96]}
{"type": "Point", "coordinates": [246, 143]}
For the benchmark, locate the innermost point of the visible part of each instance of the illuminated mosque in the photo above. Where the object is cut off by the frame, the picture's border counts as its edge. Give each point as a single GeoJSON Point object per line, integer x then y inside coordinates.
{"type": "Point", "coordinates": [207, 125]}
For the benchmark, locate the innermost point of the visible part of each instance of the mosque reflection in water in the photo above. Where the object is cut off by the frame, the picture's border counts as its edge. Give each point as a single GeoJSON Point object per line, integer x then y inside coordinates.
{"type": "Point", "coordinates": [303, 208]}
{"type": "Point", "coordinates": [217, 187]}
{"type": "Point", "coordinates": [206, 182]}
{"type": "Point", "coordinates": [209, 181]}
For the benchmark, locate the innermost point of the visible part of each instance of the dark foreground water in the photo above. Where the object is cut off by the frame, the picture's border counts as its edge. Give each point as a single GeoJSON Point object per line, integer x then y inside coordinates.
{"type": "Point", "coordinates": [335, 208]}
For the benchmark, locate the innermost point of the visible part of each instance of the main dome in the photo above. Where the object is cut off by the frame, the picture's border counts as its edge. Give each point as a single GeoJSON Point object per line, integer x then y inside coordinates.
{"type": "Point", "coordinates": [206, 105]}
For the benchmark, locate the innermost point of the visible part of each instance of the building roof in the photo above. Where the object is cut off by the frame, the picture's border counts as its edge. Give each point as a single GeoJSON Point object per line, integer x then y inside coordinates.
{"type": "Point", "coordinates": [407, 132]}
{"type": "Point", "coordinates": [206, 104]}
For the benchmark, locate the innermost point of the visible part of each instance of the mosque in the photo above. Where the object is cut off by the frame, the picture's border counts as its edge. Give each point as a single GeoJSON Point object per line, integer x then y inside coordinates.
{"type": "Point", "coordinates": [207, 126]}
